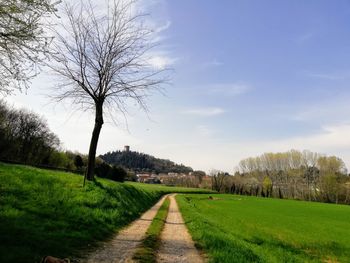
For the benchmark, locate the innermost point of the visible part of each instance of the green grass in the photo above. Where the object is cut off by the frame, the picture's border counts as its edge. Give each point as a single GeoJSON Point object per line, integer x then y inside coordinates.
{"type": "Point", "coordinates": [168, 189]}
{"type": "Point", "coordinates": [43, 212]}
{"type": "Point", "coordinates": [146, 253]}
{"type": "Point", "coordinates": [248, 229]}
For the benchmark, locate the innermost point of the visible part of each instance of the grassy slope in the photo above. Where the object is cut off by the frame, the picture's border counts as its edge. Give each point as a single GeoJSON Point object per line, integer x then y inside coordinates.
{"type": "Point", "coordinates": [249, 229]}
{"type": "Point", "coordinates": [147, 252]}
{"type": "Point", "coordinates": [49, 213]}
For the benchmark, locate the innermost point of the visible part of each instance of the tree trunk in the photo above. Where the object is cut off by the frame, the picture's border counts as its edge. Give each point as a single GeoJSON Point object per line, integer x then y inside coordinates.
{"type": "Point", "coordinates": [94, 141]}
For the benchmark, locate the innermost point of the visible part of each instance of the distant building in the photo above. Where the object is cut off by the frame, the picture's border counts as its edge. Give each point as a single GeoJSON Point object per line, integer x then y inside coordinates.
{"type": "Point", "coordinates": [152, 180]}
{"type": "Point", "coordinates": [127, 148]}
{"type": "Point", "coordinates": [143, 177]}
{"type": "Point", "coordinates": [148, 178]}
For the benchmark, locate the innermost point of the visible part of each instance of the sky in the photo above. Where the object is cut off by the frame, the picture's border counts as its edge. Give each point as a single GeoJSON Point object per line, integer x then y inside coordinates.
{"type": "Point", "coordinates": [248, 77]}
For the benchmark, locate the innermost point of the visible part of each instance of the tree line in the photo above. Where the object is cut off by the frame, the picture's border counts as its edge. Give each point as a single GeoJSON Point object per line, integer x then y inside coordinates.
{"type": "Point", "coordinates": [294, 174]}
{"type": "Point", "coordinates": [25, 138]}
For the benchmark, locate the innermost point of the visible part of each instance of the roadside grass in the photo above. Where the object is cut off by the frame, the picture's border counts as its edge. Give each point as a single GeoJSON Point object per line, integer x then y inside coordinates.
{"type": "Point", "coordinates": [248, 229]}
{"type": "Point", "coordinates": [147, 252]}
{"type": "Point", "coordinates": [169, 189]}
{"type": "Point", "coordinates": [45, 212]}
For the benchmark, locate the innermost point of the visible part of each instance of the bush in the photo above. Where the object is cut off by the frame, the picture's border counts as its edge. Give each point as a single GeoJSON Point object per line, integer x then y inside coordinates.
{"type": "Point", "coordinates": [114, 173]}
{"type": "Point", "coordinates": [117, 174]}
{"type": "Point", "coordinates": [102, 169]}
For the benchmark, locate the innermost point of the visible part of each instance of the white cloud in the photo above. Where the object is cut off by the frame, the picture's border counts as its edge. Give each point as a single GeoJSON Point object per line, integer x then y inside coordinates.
{"type": "Point", "coordinates": [304, 38]}
{"type": "Point", "coordinates": [213, 63]}
{"type": "Point", "coordinates": [229, 89]}
{"type": "Point", "coordinates": [329, 138]}
{"type": "Point", "coordinates": [327, 111]}
{"type": "Point", "coordinates": [204, 112]}
{"type": "Point", "coordinates": [336, 75]}
{"type": "Point", "coordinates": [161, 60]}
{"type": "Point", "coordinates": [326, 76]}
{"type": "Point", "coordinates": [163, 27]}
{"type": "Point", "coordinates": [204, 131]}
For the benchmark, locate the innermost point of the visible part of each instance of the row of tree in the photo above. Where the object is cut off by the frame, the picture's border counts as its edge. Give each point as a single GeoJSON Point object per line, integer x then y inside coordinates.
{"type": "Point", "coordinates": [25, 137]}
{"type": "Point", "coordinates": [296, 175]}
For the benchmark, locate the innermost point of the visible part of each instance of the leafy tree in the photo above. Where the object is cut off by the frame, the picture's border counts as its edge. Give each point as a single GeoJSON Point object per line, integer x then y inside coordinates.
{"type": "Point", "coordinates": [23, 42]}
{"type": "Point", "coordinates": [25, 137]}
{"type": "Point", "coordinates": [302, 175]}
{"type": "Point", "coordinates": [267, 186]}
{"type": "Point", "coordinates": [199, 174]}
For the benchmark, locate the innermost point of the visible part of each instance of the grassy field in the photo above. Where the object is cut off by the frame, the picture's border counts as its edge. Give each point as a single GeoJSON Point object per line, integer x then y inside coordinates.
{"type": "Point", "coordinates": [44, 212]}
{"type": "Point", "coordinates": [247, 229]}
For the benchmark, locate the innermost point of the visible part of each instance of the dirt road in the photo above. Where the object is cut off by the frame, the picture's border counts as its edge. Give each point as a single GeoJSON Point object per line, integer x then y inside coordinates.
{"type": "Point", "coordinates": [176, 242]}
{"type": "Point", "coordinates": [122, 247]}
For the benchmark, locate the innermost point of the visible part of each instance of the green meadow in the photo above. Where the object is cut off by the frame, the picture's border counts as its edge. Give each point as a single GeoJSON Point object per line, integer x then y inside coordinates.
{"type": "Point", "coordinates": [231, 228]}
{"type": "Point", "coordinates": [44, 212]}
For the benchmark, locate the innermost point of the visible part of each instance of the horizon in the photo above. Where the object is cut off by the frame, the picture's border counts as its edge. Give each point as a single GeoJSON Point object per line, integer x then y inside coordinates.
{"type": "Point", "coordinates": [248, 78]}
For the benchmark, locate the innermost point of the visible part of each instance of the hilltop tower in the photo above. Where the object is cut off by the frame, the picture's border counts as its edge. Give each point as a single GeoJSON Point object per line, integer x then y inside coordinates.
{"type": "Point", "coordinates": [127, 148]}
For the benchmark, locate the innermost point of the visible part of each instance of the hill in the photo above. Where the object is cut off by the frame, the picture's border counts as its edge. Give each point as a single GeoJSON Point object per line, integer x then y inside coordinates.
{"type": "Point", "coordinates": [140, 162]}
{"type": "Point", "coordinates": [45, 212]}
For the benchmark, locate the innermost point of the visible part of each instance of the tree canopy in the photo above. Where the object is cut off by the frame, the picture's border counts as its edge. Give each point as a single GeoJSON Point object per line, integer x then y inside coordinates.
{"type": "Point", "coordinates": [23, 41]}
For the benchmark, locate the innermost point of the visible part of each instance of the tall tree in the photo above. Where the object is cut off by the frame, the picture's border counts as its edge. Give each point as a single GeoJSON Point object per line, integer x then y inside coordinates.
{"type": "Point", "coordinates": [23, 42]}
{"type": "Point", "coordinates": [103, 61]}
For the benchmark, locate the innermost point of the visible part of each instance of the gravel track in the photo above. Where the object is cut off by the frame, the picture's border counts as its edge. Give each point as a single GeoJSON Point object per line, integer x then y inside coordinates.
{"type": "Point", "coordinates": [176, 242]}
{"type": "Point", "coordinates": [122, 247]}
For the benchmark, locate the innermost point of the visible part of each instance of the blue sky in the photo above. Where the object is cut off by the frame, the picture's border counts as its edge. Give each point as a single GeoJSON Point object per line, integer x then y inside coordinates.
{"type": "Point", "coordinates": [249, 77]}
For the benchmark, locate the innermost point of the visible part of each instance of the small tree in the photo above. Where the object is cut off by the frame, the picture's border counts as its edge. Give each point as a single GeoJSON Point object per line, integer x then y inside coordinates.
{"type": "Point", "coordinates": [102, 62]}
{"type": "Point", "coordinates": [23, 42]}
{"type": "Point", "coordinates": [267, 186]}
{"type": "Point", "coordinates": [217, 180]}
{"type": "Point", "coordinates": [199, 174]}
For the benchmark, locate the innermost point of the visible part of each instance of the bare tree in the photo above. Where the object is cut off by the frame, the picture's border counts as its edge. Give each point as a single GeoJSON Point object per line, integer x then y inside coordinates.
{"type": "Point", "coordinates": [102, 61]}
{"type": "Point", "coordinates": [218, 179]}
{"type": "Point", "coordinates": [23, 42]}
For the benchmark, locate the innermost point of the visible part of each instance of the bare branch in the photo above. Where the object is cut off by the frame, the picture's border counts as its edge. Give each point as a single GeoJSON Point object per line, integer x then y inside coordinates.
{"type": "Point", "coordinates": [23, 42]}
{"type": "Point", "coordinates": [101, 59]}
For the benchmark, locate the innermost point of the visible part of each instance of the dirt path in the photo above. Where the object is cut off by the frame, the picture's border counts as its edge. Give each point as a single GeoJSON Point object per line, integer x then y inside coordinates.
{"type": "Point", "coordinates": [176, 242]}
{"type": "Point", "coordinates": [122, 247]}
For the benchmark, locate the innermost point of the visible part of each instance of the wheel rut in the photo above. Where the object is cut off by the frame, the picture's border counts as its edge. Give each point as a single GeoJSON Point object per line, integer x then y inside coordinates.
{"type": "Point", "coordinates": [176, 243]}
{"type": "Point", "coordinates": [122, 247]}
